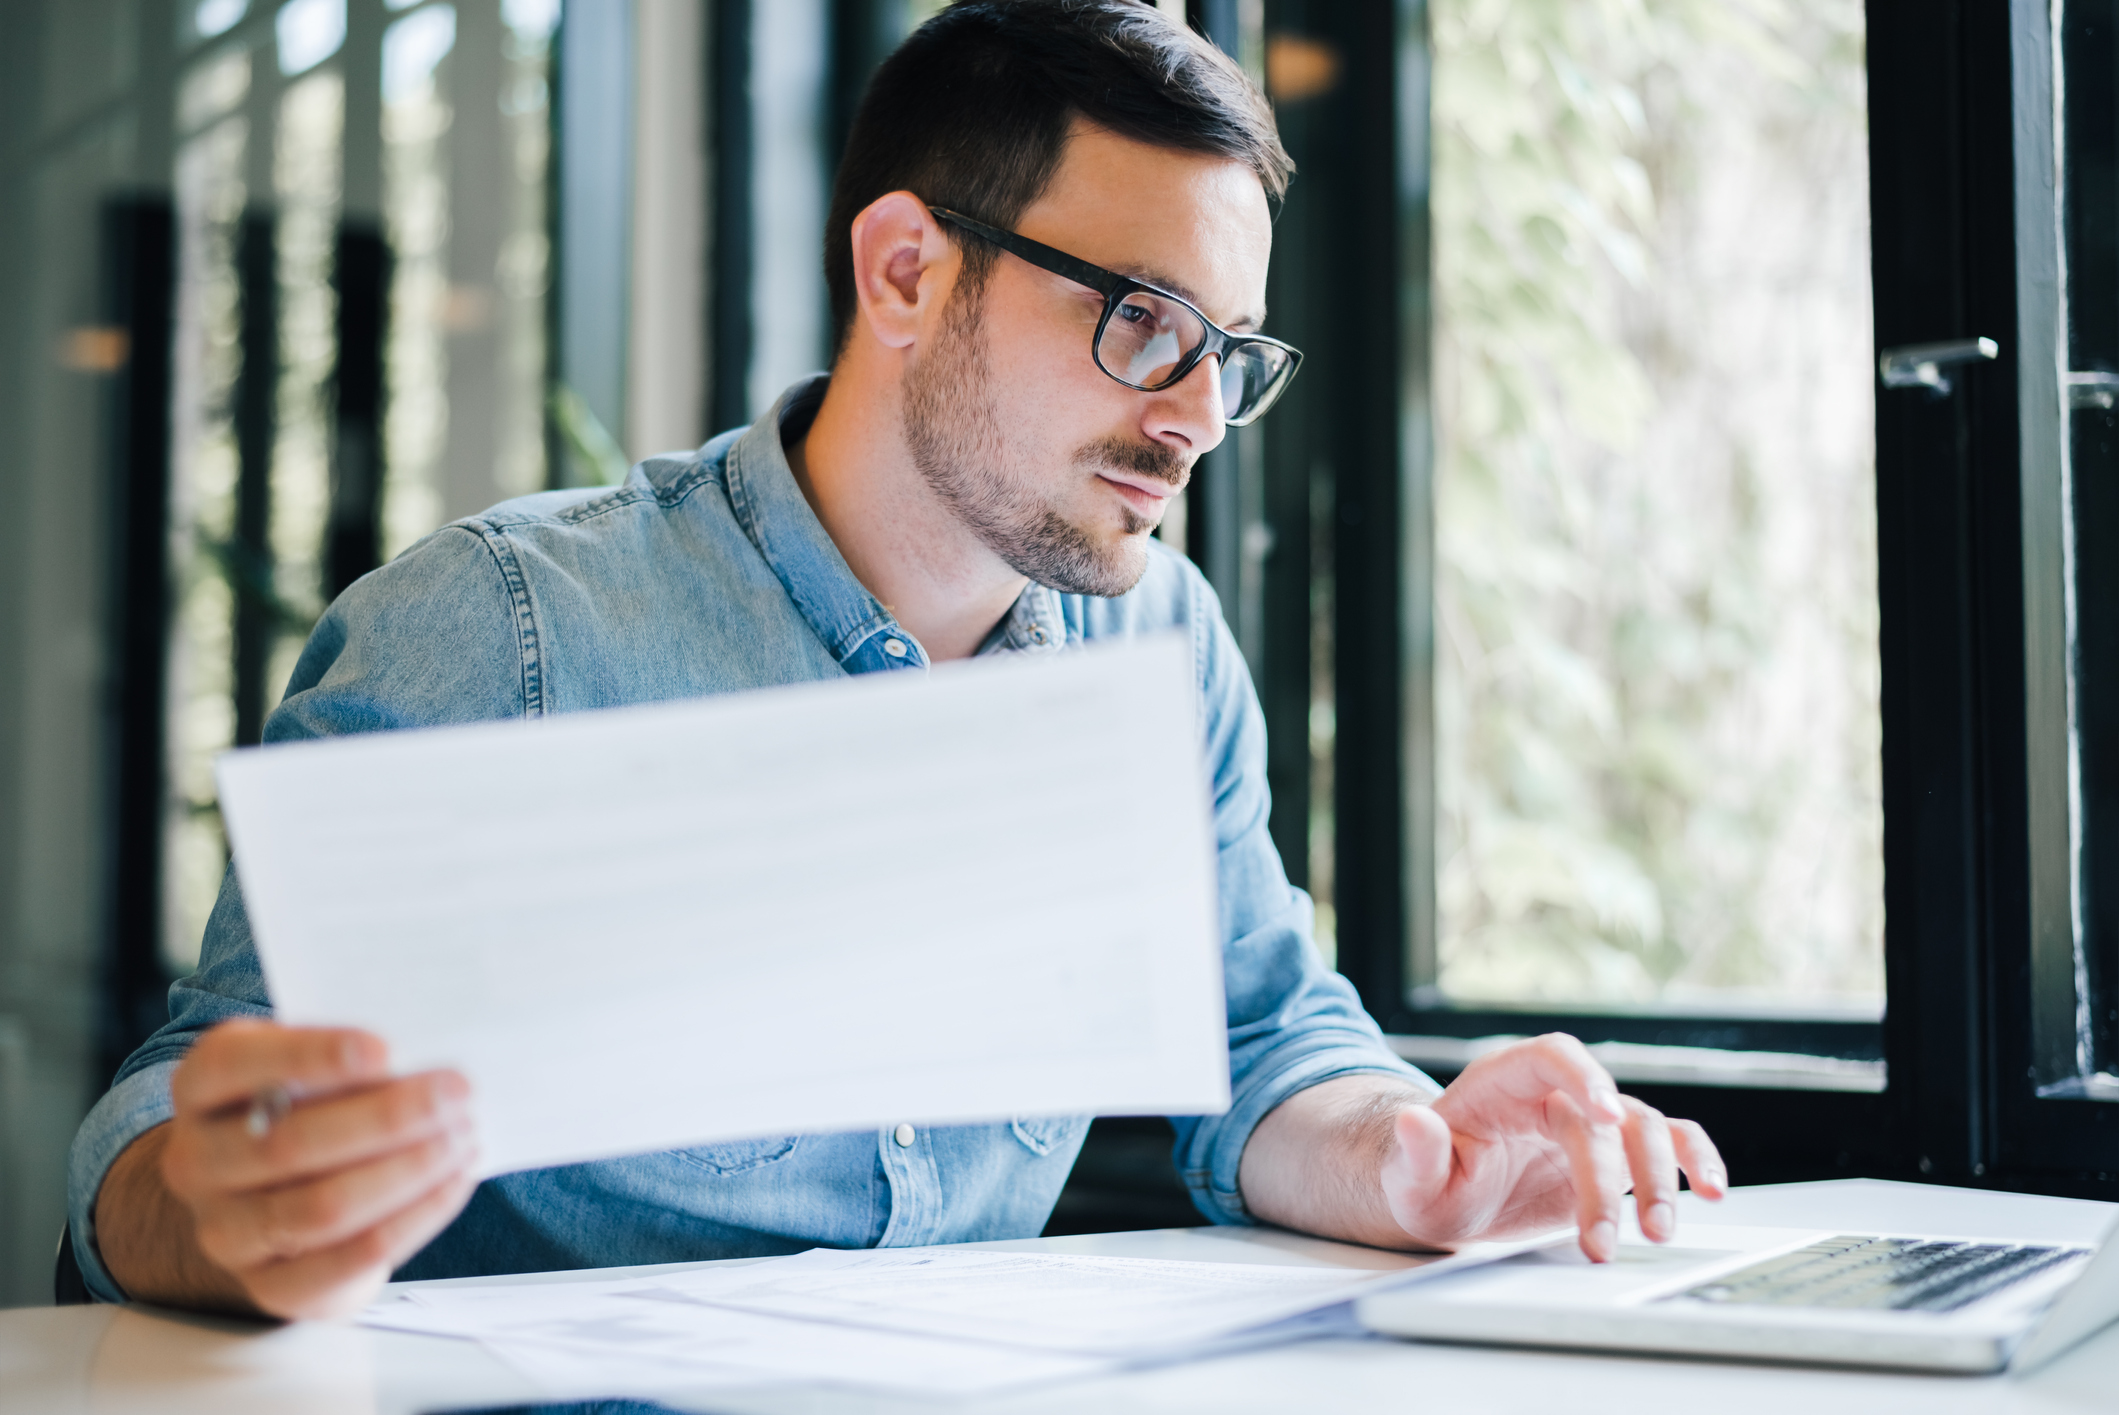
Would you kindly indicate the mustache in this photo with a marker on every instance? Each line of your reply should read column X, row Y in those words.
column 1148, row 459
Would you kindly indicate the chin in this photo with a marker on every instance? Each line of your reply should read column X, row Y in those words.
column 1121, row 566
column 1105, row 571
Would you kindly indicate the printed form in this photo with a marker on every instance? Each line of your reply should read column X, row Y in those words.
column 947, row 897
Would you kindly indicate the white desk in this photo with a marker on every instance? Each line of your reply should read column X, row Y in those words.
column 112, row 1360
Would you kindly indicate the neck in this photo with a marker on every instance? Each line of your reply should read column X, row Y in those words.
column 902, row 543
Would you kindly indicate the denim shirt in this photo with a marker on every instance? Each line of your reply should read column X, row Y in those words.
column 708, row 573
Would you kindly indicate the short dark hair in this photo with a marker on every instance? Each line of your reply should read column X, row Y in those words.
column 972, row 113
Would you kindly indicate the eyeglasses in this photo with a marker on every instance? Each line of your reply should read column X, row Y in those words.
column 1150, row 339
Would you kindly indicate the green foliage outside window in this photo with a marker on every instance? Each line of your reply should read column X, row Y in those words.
column 1656, row 620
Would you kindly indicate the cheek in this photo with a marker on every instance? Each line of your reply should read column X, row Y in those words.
column 1044, row 413
column 1039, row 358
column 1049, row 409
column 1045, row 395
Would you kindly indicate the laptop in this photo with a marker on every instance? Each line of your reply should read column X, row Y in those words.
column 1847, row 1298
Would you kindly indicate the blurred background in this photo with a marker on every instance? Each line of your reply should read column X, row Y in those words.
column 1556, row 570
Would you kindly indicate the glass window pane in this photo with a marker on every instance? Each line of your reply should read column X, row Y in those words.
column 452, row 136
column 1656, row 676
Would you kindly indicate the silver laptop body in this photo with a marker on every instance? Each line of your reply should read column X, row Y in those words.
column 1907, row 1301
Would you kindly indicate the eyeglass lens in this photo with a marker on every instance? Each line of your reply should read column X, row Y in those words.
column 1252, row 376
column 1148, row 336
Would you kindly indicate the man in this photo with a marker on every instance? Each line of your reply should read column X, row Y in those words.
column 1047, row 249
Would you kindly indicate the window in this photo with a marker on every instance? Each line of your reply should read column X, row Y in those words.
column 1592, row 662
column 1658, row 783
column 359, row 351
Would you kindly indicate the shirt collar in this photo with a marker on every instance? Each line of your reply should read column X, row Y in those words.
column 769, row 504
column 1034, row 624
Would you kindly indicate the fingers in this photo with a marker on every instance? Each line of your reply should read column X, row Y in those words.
column 1555, row 1062
column 310, row 1213
column 1595, row 1164
column 339, row 1280
column 236, row 1060
column 252, row 1230
column 219, row 1151
column 1700, row 1160
column 1652, row 1159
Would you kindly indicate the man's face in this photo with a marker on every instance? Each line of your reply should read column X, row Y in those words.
column 1061, row 470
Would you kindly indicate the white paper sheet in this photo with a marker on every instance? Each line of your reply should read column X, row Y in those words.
column 1122, row 1308
column 602, row 1340
column 945, row 1320
column 968, row 895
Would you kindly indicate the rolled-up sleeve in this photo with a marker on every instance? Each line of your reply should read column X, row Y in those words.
column 1292, row 1021
column 227, row 984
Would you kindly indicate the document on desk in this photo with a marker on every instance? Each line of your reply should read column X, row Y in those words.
column 913, row 1320
column 945, row 1318
column 948, row 897
column 587, row 1341
column 1054, row 1302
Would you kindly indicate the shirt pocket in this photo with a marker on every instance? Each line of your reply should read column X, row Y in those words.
column 1042, row 1134
column 740, row 1156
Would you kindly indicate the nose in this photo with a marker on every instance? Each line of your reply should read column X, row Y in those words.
column 1188, row 415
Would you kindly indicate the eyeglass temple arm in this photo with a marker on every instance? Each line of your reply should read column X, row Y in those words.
column 1102, row 281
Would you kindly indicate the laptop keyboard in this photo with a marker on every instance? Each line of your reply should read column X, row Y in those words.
column 1892, row 1274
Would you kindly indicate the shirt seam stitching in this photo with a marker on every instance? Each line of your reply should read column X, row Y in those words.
column 617, row 498
column 528, row 641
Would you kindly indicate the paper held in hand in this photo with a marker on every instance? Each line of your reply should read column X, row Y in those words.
column 968, row 895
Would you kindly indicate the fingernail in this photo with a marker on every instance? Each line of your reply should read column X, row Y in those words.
column 1603, row 1240
column 1608, row 1102
column 1660, row 1221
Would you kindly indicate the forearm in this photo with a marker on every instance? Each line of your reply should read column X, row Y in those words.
column 148, row 1240
column 1315, row 1162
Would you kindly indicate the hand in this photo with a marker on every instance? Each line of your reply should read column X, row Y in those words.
column 1531, row 1135
column 310, row 1210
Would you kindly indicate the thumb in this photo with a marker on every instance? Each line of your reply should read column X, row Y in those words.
column 1417, row 1169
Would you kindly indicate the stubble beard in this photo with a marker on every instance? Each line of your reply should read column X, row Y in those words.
column 955, row 440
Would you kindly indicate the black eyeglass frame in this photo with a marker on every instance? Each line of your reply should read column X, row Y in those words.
column 1114, row 288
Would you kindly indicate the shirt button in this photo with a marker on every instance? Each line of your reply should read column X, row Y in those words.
column 896, row 649
column 904, row 1133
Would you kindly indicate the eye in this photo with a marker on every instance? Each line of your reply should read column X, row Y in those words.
column 1135, row 314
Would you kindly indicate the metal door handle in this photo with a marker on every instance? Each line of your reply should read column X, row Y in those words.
column 2092, row 389
column 1922, row 365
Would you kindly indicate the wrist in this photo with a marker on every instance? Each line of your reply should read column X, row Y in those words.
column 1316, row 1162
column 147, row 1236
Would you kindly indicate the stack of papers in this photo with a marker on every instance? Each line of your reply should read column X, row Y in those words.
column 943, row 1321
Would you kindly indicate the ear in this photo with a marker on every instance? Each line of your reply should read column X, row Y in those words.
column 904, row 265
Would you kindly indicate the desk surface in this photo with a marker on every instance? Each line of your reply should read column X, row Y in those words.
column 112, row 1360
